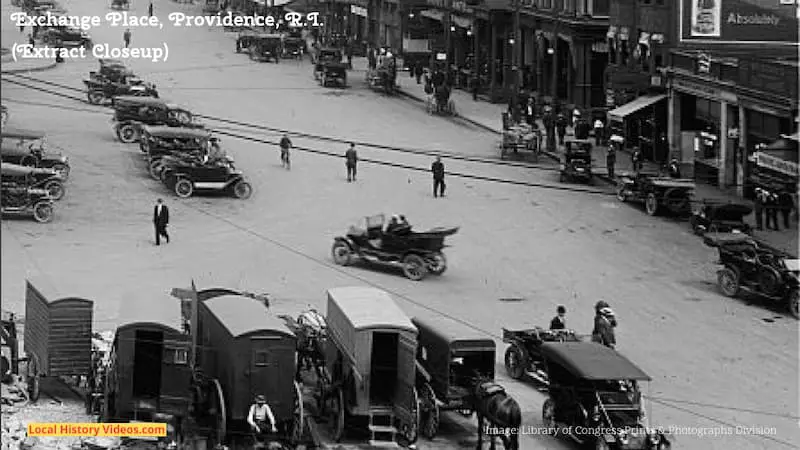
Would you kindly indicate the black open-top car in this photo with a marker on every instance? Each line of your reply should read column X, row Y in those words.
column 130, row 113
column 577, row 161
column 720, row 218
column 185, row 177
column 27, row 148
column 65, row 36
column 34, row 177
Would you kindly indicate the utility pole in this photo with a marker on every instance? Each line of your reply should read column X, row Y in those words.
column 448, row 23
column 516, row 60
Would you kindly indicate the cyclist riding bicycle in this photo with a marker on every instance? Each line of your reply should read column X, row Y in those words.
column 261, row 420
column 286, row 144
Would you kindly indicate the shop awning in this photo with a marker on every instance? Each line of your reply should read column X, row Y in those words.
column 459, row 21
column 433, row 14
column 783, row 144
column 627, row 109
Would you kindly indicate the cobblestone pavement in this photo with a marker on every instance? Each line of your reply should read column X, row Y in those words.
column 521, row 250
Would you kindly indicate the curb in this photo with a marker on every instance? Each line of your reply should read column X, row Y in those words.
column 464, row 118
column 32, row 69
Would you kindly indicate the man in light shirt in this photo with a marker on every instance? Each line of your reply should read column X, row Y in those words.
column 260, row 418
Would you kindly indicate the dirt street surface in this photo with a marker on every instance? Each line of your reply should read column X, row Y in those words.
column 716, row 363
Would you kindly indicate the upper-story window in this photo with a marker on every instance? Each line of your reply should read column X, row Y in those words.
column 600, row 8
column 545, row 4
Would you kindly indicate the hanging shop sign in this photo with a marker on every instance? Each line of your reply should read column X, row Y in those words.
column 738, row 22
column 700, row 90
column 358, row 10
column 779, row 165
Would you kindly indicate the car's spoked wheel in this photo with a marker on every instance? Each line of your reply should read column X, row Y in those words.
column 414, row 267
column 242, row 190
column 298, row 416
column 184, row 188
column 62, row 170
column 127, row 133
column 341, row 253
column 794, row 303
column 337, row 414
column 651, row 204
column 43, row 212
column 439, row 264
column 514, row 364
column 728, row 281
column 155, row 170
column 55, row 189
column 95, row 97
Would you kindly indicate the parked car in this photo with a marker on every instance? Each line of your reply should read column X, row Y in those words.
column 720, row 218
column 27, row 148
column 657, row 193
column 131, row 113
column 22, row 200
column 577, row 161
column 752, row 267
column 265, row 47
column 34, row 177
column 66, row 36
column 185, row 178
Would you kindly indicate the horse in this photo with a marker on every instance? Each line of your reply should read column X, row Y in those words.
column 501, row 412
column 312, row 339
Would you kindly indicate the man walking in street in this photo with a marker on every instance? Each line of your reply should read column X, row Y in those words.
column 161, row 220
column 611, row 160
column 127, row 37
column 561, row 128
column 285, row 145
column 438, row 177
column 150, row 9
column 598, row 132
column 351, row 160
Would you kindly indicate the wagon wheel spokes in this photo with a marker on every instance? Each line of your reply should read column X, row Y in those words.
column 221, row 415
column 337, row 414
column 298, row 418
column 430, row 425
column 323, row 390
column 32, row 378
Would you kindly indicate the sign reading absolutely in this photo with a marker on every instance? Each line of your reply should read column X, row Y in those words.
column 738, row 22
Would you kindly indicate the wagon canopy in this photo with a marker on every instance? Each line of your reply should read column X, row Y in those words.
column 243, row 315
column 451, row 335
column 369, row 308
column 18, row 133
column 151, row 311
column 176, row 132
column 591, row 361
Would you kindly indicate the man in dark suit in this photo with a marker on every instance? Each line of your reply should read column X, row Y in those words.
column 559, row 322
column 161, row 220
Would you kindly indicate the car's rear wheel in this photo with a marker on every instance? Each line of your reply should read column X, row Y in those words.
column 95, row 97
column 43, row 212
column 184, row 188
column 728, row 281
column 127, row 133
column 651, row 204
column 55, row 189
column 341, row 253
column 794, row 303
column 155, row 169
column 242, row 190
column 414, row 267
column 439, row 264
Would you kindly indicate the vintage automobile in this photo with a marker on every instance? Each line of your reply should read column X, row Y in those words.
column 22, row 200
column 594, row 397
column 111, row 70
column 148, row 377
column 28, row 148
column 451, row 358
column 159, row 142
column 720, row 218
column 99, row 89
column 369, row 368
column 293, row 47
column 325, row 56
column 416, row 253
column 523, row 355
column 246, row 351
column 185, row 178
column 65, row 36
column 750, row 266
column 519, row 138
column 658, row 193
column 131, row 113
column 265, row 47
column 15, row 175
column 384, row 78
column 577, row 162
column 120, row 4
column 333, row 73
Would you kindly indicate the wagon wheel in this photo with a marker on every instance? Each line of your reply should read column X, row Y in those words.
column 298, row 420
column 430, row 424
column 219, row 411
column 32, row 377
column 728, row 281
column 515, row 362
column 410, row 431
column 335, row 407
column 323, row 386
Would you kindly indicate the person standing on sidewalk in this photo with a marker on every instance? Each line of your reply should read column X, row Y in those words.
column 785, row 204
column 772, row 212
column 758, row 207
column 611, row 160
column 418, row 71
column 31, row 41
column 636, row 160
column 561, row 128
column 126, row 36
column 599, row 130
column 351, row 160
column 438, row 177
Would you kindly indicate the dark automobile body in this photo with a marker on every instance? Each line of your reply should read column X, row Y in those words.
column 120, row 4
column 131, row 113
column 658, row 193
column 159, row 142
column 99, row 89
column 293, row 47
column 750, row 266
column 33, row 177
column 325, row 56
column 416, row 253
column 333, row 73
column 594, row 397
column 577, row 161
column 65, row 36
column 26, row 148
column 112, row 70
column 265, row 47
column 23, row 200
column 720, row 218
column 185, row 177
column 450, row 358
column 523, row 355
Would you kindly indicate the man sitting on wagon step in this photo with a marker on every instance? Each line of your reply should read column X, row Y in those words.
column 259, row 414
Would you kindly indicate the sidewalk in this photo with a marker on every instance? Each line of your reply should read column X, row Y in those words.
column 489, row 116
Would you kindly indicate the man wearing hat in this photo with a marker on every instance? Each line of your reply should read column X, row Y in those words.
column 604, row 323
column 559, row 322
column 259, row 414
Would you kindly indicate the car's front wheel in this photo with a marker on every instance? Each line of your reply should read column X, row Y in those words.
column 43, row 212
column 184, row 188
column 55, row 189
column 127, row 133
column 242, row 190
column 341, row 253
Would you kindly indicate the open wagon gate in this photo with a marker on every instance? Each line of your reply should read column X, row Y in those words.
column 57, row 336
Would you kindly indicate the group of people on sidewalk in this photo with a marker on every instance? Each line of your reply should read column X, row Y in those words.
column 770, row 203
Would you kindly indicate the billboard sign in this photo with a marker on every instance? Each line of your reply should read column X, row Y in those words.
column 755, row 22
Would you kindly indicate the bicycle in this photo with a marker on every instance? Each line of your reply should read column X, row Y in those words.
column 285, row 161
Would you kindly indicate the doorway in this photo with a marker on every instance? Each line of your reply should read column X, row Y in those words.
column 383, row 376
column 147, row 354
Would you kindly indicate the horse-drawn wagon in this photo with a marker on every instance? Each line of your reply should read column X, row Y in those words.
column 451, row 359
column 370, row 370
column 518, row 137
column 246, row 352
